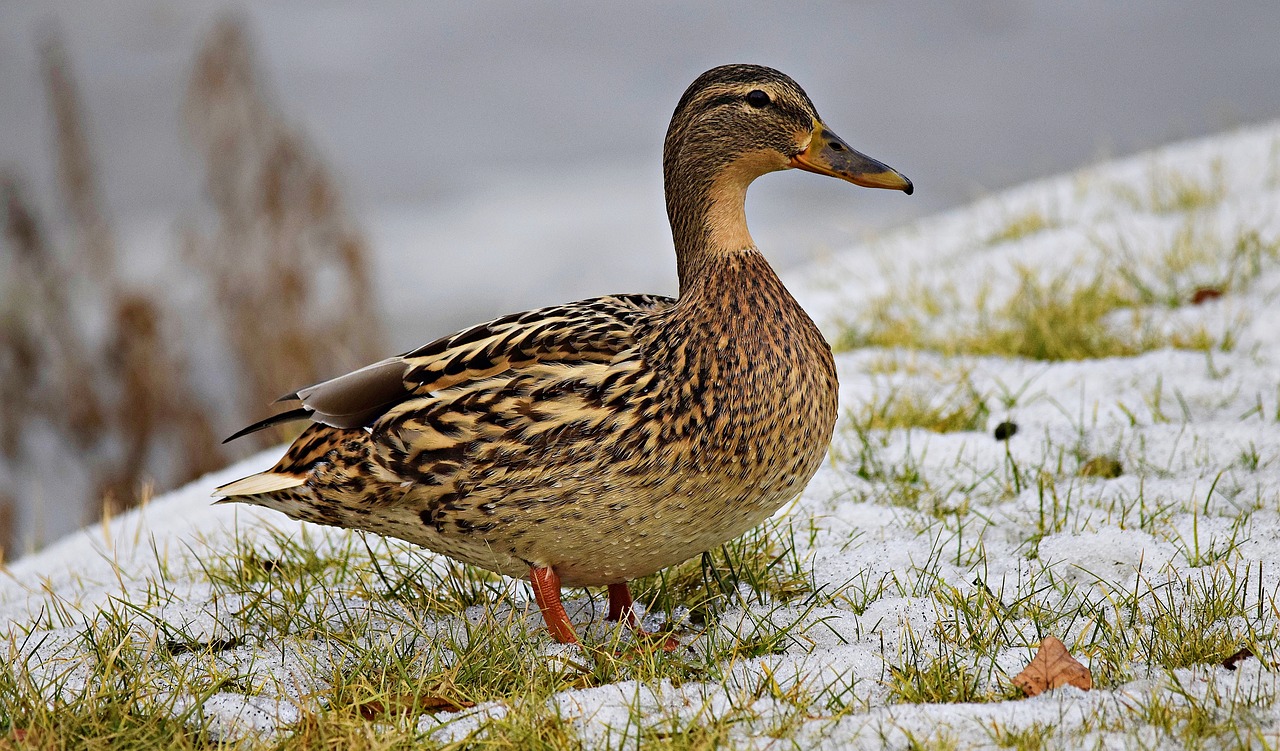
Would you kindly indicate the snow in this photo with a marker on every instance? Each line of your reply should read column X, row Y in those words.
column 1196, row 507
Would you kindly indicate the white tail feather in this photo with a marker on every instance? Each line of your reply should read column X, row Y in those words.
column 263, row 482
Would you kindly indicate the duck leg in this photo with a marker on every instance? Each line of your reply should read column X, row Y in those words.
column 621, row 605
column 622, row 608
column 546, row 592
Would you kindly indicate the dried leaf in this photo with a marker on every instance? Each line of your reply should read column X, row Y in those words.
column 412, row 703
column 1205, row 294
column 17, row 738
column 1053, row 666
column 1231, row 662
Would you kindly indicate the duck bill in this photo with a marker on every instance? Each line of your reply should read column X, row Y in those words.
column 828, row 155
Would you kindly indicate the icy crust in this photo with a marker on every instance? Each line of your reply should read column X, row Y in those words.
column 910, row 526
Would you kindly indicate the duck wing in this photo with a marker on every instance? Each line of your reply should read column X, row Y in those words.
column 591, row 330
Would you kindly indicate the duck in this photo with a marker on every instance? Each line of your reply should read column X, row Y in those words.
column 591, row 443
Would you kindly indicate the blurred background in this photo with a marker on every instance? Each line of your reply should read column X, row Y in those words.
column 206, row 205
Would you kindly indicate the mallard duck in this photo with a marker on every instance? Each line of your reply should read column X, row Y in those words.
column 595, row 442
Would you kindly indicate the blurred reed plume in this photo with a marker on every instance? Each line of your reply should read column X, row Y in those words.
column 289, row 272
column 99, row 403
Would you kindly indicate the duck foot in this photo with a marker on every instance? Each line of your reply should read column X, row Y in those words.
column 546, row 592
column 622, row 608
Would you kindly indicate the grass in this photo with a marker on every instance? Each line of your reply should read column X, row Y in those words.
column 1033, row 738
column 1067, row 315
column 386, row 634
column 1053, row 319
column 1105, row 467
column 1172, row 191
column 760, row 567
column 1188, row 614
column 1020, row 225
column 374, row 646
column 1195, row 258
column 960, row 409
column 937, row 680
column 1152, row 629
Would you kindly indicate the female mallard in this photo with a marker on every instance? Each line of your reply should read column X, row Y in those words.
column 591, row 443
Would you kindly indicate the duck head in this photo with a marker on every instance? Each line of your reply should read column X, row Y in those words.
column 734, row 124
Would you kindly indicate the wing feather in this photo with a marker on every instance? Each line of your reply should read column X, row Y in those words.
column 592, row 330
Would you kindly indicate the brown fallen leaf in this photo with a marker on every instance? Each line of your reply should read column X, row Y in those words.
column 1205, row 294
column 1053, row 666
column 1231, row 662
column 411, row 703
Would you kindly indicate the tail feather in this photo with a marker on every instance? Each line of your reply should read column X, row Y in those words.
column 293, row 469
column 301, row 413
column 263, row 482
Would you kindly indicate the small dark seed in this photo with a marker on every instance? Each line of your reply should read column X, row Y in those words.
column 1005, row 431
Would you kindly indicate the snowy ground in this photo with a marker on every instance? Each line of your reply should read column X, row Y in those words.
column 1135, row 514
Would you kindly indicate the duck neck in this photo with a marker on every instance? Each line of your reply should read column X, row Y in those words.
column 707, row 211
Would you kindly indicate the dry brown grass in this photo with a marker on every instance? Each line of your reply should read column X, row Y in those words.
column 102, row 362
column 282, row 227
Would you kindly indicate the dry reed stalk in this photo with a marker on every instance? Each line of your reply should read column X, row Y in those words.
column 20, row 349
column 121, row 402
column 42, row 354
column 8, row 527
column 77, row 172
column 289, row 272
column 156, row 413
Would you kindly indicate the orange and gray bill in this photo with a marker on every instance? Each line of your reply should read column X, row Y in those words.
column 827, row 154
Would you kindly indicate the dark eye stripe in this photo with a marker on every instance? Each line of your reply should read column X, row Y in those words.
column 722, row 100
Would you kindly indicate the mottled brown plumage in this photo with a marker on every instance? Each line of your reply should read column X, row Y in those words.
column 598, row 441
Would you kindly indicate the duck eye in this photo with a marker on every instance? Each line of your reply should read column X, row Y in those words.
column 758, row 99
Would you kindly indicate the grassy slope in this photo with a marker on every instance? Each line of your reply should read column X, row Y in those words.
column 1135, row 514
